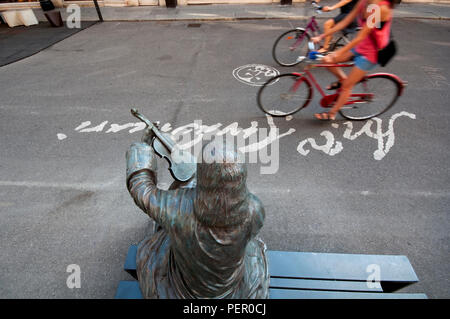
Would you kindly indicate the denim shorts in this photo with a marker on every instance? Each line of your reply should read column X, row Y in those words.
column 361, row 61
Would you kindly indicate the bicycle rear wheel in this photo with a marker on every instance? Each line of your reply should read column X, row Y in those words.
column 339, row 43
column 284, row 94
column 379, row 94
column 345, row 38
column 291, row 47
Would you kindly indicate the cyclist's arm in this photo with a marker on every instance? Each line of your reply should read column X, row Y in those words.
column 345, row 22
column 339, row 4
column 362, row 34
column 385, row 14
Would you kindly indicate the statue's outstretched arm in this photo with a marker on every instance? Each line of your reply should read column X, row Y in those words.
column 141, row 182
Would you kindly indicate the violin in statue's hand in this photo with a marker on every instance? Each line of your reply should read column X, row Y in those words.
column 182, row 164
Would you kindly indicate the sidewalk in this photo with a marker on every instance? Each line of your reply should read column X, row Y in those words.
column 229, row 12
column 21, row 42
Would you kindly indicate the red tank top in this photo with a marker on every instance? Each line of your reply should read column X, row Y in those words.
column 377, row 39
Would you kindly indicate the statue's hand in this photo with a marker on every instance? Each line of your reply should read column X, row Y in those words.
column 148, row 136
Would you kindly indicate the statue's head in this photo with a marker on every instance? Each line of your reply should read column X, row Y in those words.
column 221, row 186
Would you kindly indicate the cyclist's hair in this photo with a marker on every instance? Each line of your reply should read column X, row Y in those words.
column 394, row 3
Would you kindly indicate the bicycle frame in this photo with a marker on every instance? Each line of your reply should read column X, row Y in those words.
column 312, row 25
column 327, row 99
column 365, row 92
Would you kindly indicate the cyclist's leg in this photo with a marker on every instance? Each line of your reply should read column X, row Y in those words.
column 338, row 72
column 326, row 42
column 362, row 66
column 355, row 75
column 332, row 23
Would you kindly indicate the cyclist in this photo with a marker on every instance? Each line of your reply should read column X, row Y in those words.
column 346, row 7
column 362, row 48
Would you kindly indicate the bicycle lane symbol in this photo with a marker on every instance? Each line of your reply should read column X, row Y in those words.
column 255, row 74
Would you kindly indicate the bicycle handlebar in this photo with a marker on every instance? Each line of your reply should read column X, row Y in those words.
column 314, row 55
column 317, row 7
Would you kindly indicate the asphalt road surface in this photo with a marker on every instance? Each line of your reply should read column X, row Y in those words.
column 382, row 189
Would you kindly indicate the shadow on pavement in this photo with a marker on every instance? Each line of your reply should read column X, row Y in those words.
column 21, row 42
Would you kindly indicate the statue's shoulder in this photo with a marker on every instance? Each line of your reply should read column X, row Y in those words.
column 254, row 200
column 186, row 196
column 180, row 205
column 255, row 205
column 256, row 212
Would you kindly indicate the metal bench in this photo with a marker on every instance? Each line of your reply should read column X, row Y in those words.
column 300, row 275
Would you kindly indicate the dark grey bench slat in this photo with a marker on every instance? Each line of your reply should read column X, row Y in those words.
column 331, row 285
column 314, row 294
column 395, row 271
column 128, row 290
column 131, row 290
column 324, row 266
column 339, row 266
column 130, row 261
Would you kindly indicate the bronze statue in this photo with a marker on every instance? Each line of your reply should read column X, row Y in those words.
column 205, row 245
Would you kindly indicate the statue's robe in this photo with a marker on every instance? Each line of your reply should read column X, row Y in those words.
column 187, row 259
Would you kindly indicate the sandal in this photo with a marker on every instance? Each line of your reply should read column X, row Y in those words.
column 323, row 51
column 334, row 86
column 325, row 116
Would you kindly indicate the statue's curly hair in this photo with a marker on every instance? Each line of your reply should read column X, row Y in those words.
column 221, row 199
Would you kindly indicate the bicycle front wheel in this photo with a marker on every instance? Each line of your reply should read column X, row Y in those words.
column 284, row 94
column 291, row 47
column 373, row 95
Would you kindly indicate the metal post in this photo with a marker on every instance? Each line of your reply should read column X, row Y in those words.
column 100, row 18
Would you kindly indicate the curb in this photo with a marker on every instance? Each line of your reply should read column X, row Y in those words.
column 212, row 19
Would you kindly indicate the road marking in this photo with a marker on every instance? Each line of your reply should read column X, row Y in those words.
column 6, row 204
column 340, row 192
column 80, row 186
column 385, row 140
column 255, row 74
column 372, row 128
column 435, row 75
column 383, row 147
column 331, row 147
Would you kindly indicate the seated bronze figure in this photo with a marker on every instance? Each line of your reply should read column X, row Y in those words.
column 206, row 244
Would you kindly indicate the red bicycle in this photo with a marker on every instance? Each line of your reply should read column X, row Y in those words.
column 286, row 94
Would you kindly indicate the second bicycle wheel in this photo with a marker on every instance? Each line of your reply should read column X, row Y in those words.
column 378, row 93
column 284, row 94
column 339, row 43
column 291, row 47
